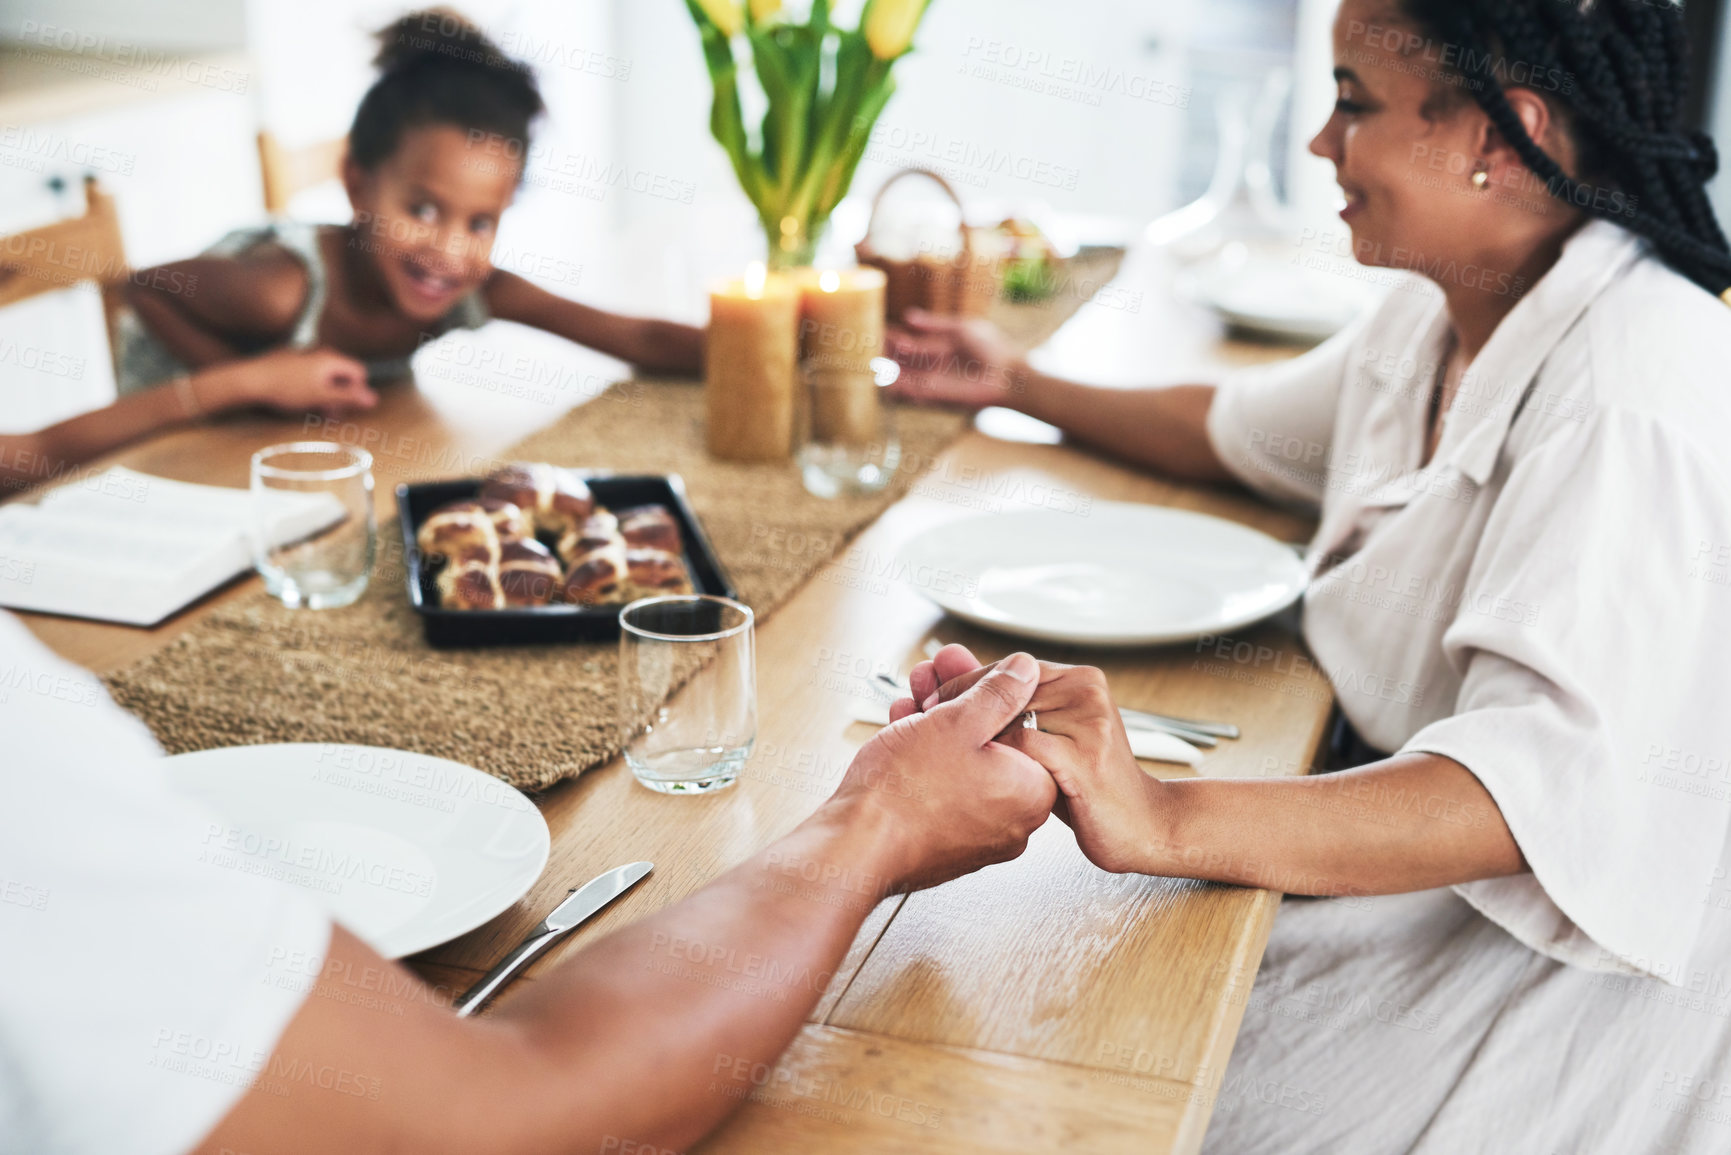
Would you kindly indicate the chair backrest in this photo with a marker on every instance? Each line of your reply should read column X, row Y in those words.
column 55, row 256
column 288, row 171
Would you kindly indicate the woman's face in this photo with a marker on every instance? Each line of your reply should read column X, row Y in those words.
column 1404, row 157
column 426, row 215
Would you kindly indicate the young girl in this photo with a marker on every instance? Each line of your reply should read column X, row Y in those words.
column 300, row 317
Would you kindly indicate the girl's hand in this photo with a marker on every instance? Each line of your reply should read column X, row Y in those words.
column 1114, row 807
column 291, row 380
column 954, row 360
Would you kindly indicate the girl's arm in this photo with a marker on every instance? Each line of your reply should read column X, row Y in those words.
column 1410, row 822
column 212, row 309
column 286, row 380
column 653, row 345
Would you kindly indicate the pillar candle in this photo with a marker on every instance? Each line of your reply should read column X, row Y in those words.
column 751, row 367
column 841, row 330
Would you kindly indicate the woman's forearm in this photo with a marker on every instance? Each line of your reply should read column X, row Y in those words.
column 1411, row 822
column 1160, row 428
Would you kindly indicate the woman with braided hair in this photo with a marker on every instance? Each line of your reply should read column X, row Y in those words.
column 1521, row 593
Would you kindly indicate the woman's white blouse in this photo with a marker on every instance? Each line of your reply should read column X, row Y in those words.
column 1548, row 602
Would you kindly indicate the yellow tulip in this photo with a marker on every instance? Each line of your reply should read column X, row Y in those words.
column 889, row 26
column 762, row 11
column 726, row 15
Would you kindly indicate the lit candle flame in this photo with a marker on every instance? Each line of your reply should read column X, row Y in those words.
column 756, row 275
column 830, row 281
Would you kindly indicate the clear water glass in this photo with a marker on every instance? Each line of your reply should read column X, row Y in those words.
column 848, row 444
column 315, row 533
column 687, row 691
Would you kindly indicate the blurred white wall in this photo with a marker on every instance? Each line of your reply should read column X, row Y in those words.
column 182, row 24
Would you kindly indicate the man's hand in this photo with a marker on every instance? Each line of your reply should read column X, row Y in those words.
column 1114, row 807
column 949, row 795
column 955, row 361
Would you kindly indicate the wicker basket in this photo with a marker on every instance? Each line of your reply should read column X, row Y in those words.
column 963, row 285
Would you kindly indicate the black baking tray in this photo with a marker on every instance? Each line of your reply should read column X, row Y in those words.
column 534, row 624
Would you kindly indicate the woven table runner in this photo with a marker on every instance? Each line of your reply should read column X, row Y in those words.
column 251, row 671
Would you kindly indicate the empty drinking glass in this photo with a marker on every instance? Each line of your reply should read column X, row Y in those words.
column 314, row 530
column 687, row 691
column 847, row 443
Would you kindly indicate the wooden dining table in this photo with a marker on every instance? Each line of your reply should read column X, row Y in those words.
column 1037, row 1005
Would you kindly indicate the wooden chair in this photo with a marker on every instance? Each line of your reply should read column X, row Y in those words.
column 288, row 171
column 86, row 248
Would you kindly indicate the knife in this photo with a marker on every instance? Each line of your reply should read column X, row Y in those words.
column 566, row 917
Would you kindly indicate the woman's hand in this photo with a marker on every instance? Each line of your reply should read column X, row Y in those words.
column 955, row 360
column 1114, row 807
column 950, row 797
column 291, row 380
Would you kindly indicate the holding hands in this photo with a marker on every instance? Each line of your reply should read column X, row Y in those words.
column 1115, row 809
column 947, row 793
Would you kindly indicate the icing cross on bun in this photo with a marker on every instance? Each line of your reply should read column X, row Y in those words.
column 650, row 572
column 555, row 499
column 470, row 585
column 597, row 531
column 463, row 528
column 597, row 578
column 650, row 527
column 529, row 574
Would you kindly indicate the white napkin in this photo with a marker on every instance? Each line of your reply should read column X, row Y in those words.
column 1150, row 745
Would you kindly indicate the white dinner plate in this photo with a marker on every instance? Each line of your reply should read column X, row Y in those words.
column 1278, row 298
column 406, row 850
column 1119, row 575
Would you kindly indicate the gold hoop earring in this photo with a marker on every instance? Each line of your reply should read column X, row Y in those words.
column 1481, row 176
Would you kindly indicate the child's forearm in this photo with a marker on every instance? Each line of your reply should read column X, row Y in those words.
column 669, row 347
column 657, row 346
column 28, row 459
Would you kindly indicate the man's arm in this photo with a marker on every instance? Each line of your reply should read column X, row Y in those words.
column 655, row 345
column 640, row 1037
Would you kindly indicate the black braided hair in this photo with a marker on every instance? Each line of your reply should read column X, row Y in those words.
column 1620, row 69
column 437, row 68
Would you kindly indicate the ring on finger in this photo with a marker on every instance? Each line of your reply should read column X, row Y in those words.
column 1030, row 721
